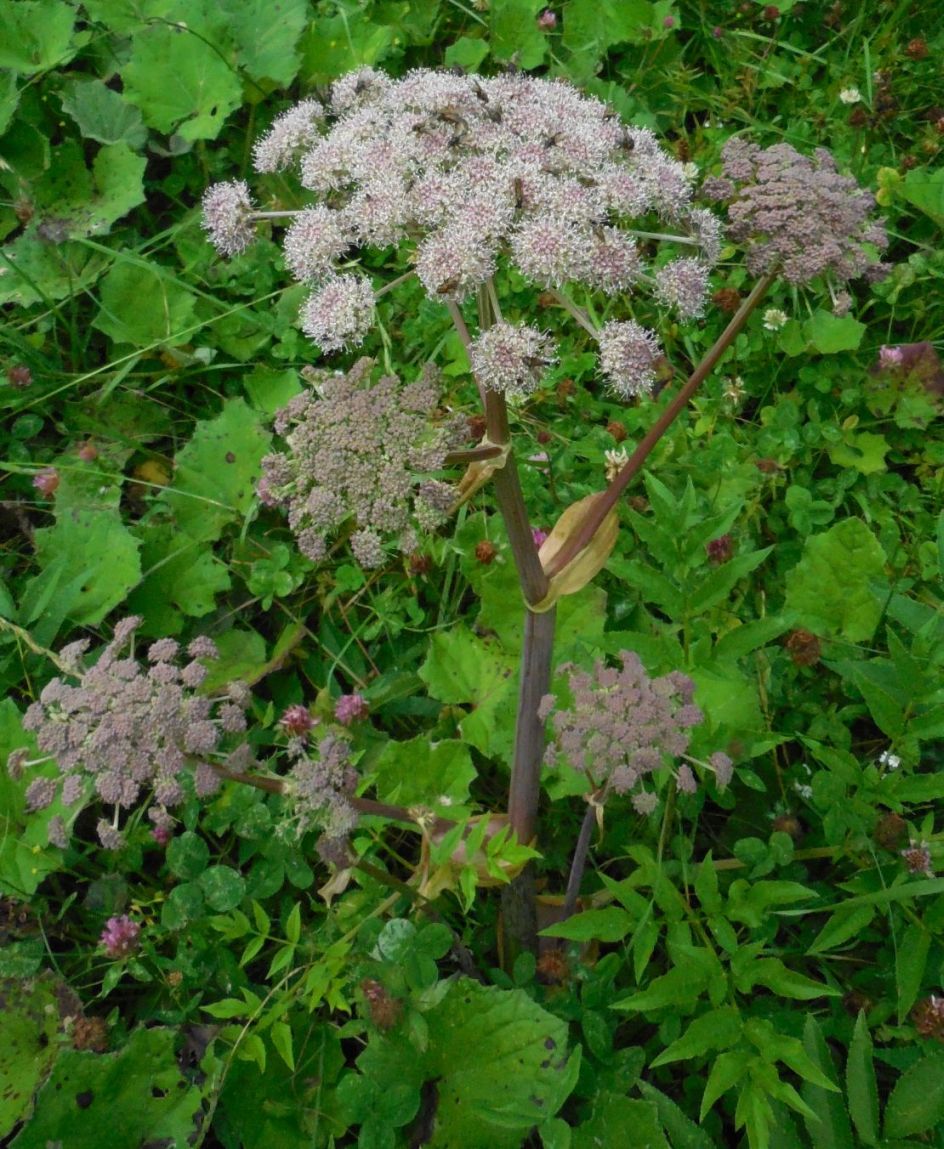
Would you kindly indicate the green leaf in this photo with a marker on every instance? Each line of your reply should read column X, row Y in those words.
column 613, row 1116
column 223, row 887
column 102, row 114
column 182, row 578
column 830, row 1129
column 266, row 33
column 862, row 450
column 718, row 1029
column 830, row 333
column 37, row 35
column 515, row 34
column 334, row 45
column 31, row 1018
column 924, row 189
column 466, row 53
column 843, row 925
column 499, row 1062
column 829, row 589
column 772, row 973
column 911, row 959
column 91, row 559
column 683, row 1132
column 860, row 1083
column 462, row 668
column 216, row 473
column 180, row 82
column 187, row 855
column 719, row 582
column 112, row 1100
column 592, row 27
column 143, row 306
column 916, row 1103
column 726, row 1071
column 281, row 1034
column 609, row 924
column 423, row 773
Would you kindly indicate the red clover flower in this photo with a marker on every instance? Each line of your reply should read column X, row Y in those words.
column 120, row 937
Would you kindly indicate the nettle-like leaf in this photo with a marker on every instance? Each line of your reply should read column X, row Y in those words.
column 497, row 1061
column 142, row 305
column 29, row 1016
column 423, row 773
column 37, row 35
column 916, row 1104
column 829, row 589
column 182, row 578
column 135, row 1096
column 266, row 34
column 103, row 114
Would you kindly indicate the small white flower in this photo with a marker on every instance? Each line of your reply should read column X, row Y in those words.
column 805, row 792
column 889, row 760
column 774, row 318
column 850, row 96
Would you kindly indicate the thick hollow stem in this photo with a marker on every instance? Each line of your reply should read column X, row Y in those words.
column 603, row 505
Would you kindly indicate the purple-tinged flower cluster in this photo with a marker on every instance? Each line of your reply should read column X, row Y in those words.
column 622, row 725
column 228, row 217
column 511, row 358
column 628, row 356
column 319, row 787
column 353, row 452
column 797, row 214
column 129, row 729
column 120, row 937
column 472, row 174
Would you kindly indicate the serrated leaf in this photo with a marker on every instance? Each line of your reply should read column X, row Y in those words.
column 515, row 34
column 609, row 924
column 828, row 333
column 216, row 473
column 829, row 589
column 37, row 35
column 266, row 33
column 830, row 1129
column 718, row 583
column 613, row 1116
column 843, row 925
column 861, row 1085
column 911, row 959
column 916, row 1103
column 718, row 1029
column 422, row 773
column 682, row 1131
column 182, row 578
column 180, row 82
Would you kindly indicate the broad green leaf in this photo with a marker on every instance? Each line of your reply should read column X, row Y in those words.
column 423, row 773
column 103, row 114
column 499, row 1062
column 924, row 189
column 828, row 333
column 143, row 306
column 911, row 958
column 860, row 1083
column 830, row 1129
column 216, row 473
column 916, row 1103
column 187, row 855
column 333, row 45
column 466, row 53
column 30, row 1013
column 93, row 557
column 609, row 924
column 718, row 1029
column 182, row 578
column 37, row 35
column 112, row 1100
column 829, row 591
column 180, row 82
column 862, row 450
column 515, row 34
column 462, row 668
column 613, row 1116
column 266, row 34
column 37, row 271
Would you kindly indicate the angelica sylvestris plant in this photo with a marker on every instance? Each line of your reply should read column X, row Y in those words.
column 478, row 180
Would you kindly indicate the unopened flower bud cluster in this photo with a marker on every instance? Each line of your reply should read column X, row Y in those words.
column 475, row 174
column 319, row 787
column 131, row 729
column 797, row 215
column 353, row 452
column 622, row 725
